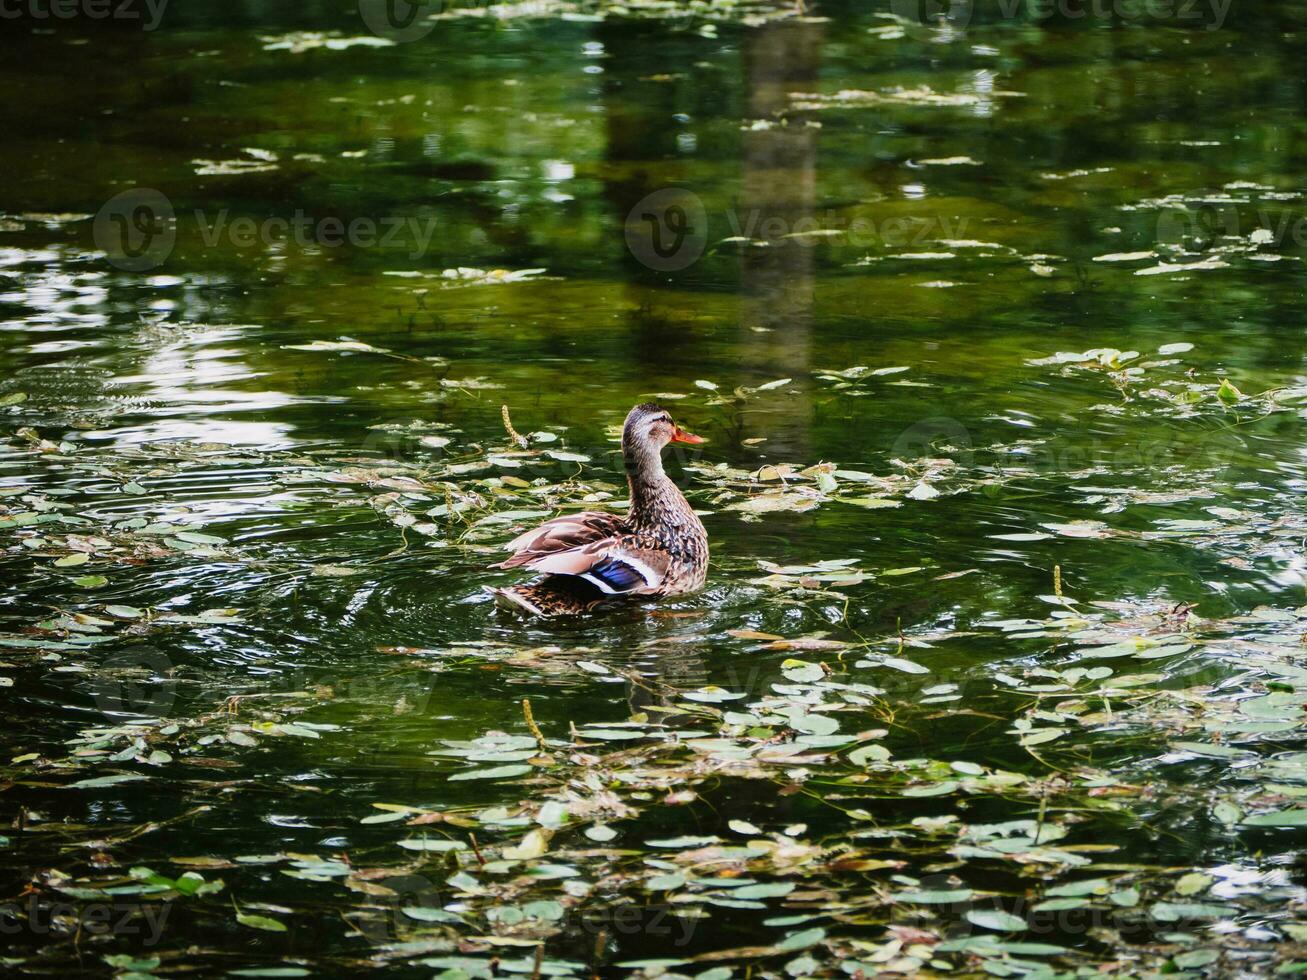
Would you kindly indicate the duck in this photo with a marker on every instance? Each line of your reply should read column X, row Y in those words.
column 658, row 548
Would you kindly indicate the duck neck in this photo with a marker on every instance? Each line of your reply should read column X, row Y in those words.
column 655, row 499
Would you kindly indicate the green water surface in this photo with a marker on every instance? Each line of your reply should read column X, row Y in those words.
column 267, row 278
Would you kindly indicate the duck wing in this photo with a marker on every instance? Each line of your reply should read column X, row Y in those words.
column 561, row 534
column 592, row 546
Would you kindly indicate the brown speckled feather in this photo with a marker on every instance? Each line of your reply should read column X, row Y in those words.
column 553, row 595
column 561, row 534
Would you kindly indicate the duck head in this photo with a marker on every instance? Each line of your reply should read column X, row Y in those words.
column 650, row 426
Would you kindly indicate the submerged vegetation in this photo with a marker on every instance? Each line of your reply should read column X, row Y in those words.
column 1000, row 666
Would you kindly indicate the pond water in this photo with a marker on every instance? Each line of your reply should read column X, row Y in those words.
column 992, row 321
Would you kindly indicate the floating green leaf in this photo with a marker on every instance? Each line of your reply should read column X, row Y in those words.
column 262, row 922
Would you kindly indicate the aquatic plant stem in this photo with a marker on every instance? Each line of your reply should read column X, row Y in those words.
column 531, row 725
column 514, row 436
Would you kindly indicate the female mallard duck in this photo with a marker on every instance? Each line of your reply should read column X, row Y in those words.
column 659, row 548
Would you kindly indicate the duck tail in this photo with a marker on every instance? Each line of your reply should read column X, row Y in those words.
column 555, row 595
